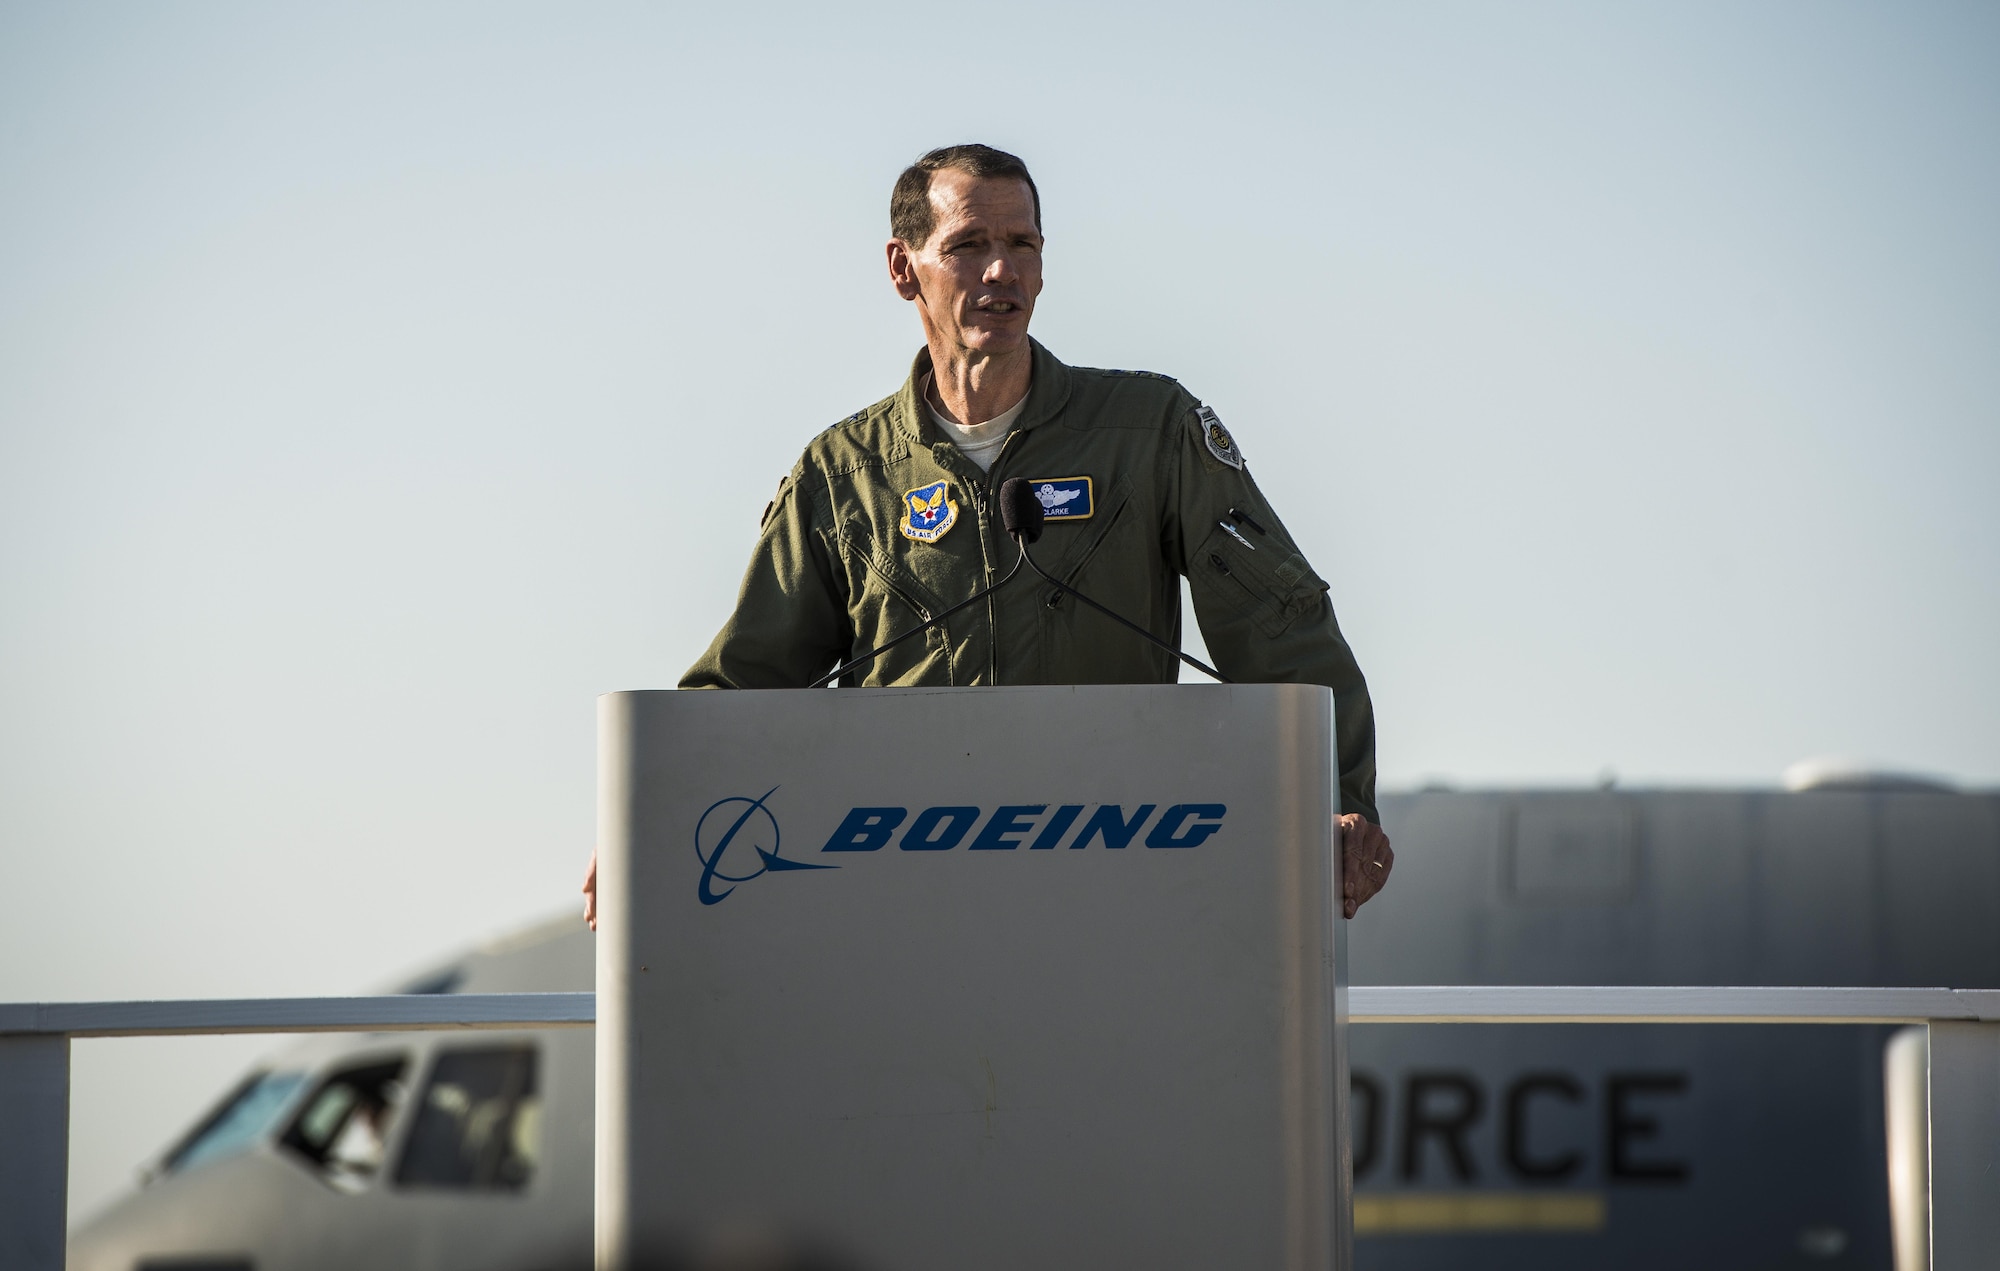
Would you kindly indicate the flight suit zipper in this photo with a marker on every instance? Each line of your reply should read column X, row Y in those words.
column 991, row 489
column 973, row 482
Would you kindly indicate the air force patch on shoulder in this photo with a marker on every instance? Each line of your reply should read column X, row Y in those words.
column 1220, row 443
column 1064, row 498
column 928, row 511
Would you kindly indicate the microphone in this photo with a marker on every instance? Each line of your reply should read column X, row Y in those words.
column 1021, row 515
column 1021, row 512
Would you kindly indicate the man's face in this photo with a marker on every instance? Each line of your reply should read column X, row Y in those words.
column 976, row 278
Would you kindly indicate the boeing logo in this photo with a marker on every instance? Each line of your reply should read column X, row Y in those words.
column 940, row 829
column 752, row 822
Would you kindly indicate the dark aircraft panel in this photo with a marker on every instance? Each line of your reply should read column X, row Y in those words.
column 1817, row 912
column 1668, row 1146
column 1827, row 888
column 1653, row 1146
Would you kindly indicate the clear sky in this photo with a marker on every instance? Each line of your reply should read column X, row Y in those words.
column 379, row 384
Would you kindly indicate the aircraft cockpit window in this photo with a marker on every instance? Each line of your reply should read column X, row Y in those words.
column 343, row 1129
column 479, row 1122
column 238, row 1122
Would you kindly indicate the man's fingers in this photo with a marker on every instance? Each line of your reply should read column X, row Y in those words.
column 1366, row 861
column 1350, row 865
column 1383, row 860
column 1376, row 861
column 1386, row 858
column 590, row 891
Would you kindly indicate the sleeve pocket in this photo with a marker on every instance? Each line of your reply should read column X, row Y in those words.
column 1270, row 588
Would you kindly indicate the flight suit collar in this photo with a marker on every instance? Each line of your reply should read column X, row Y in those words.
column 1048, row 392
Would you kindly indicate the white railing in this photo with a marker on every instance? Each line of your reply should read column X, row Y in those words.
column 300, row 1015
column 1964, row 1069
column 1534, row 1004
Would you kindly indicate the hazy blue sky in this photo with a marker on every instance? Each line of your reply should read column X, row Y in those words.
column 378, row 385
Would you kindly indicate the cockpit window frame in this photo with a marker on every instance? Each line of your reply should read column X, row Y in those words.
column 531, row 1091
column 175, row 1159
column 406, row 1060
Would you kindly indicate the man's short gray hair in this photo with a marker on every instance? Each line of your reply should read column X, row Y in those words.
column 910, row 216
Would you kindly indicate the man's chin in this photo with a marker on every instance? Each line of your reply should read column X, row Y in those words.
column 996, row 337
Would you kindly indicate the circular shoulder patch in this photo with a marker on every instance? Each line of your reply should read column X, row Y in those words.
column 1220, row 443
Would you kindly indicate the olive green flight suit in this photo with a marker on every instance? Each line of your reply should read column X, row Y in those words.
column 842, row 563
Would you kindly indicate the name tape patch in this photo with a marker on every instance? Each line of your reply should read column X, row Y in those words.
column 1065, row 498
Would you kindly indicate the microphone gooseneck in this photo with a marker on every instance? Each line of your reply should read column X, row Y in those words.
column 1021, row 514
column 925, row 625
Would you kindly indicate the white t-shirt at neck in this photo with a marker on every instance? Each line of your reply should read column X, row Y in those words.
column 978, row 442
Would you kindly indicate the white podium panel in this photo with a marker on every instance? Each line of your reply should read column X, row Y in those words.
column 972, row 978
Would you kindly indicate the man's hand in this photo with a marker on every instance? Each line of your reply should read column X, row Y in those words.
column 1366, row 859
column 590, row 892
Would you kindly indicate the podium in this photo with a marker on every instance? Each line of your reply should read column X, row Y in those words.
column 1045, row 977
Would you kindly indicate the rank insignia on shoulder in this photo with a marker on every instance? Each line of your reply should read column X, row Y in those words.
column 928, row 511
column 1220, row 443
column 1064, row 498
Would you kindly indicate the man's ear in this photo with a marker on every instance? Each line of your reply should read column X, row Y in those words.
column 903, row 270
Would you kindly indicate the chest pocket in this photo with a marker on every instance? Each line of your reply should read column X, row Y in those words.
column 1271, row 588
column 885, row 600
column 1088, row 537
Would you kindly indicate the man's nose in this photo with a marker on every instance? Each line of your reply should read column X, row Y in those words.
column 1000, row 271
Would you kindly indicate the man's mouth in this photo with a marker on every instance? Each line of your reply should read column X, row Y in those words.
column 993, row 304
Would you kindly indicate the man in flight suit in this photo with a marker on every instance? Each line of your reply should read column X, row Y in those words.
column 892, row 514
